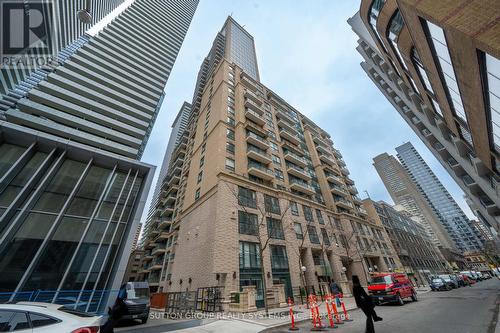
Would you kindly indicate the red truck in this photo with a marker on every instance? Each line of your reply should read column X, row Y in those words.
column 391, row 287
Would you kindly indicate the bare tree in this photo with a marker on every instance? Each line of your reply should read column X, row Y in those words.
column 262, row 233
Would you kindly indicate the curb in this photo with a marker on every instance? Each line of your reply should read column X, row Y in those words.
column 296, row 322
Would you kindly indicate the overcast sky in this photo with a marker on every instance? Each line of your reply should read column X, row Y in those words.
column 307, row 54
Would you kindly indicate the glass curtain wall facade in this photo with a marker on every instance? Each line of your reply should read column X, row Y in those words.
column 63, row 220
column 451, row 215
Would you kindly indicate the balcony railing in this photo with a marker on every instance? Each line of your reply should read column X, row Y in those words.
column 338, row 189
column 294, row 138
column 257, row 140
column 259, row 154
column 297, row 171
column 259, row 170
column 255, row 117
column 252, row 105
column 344, row 202
column 295, row 158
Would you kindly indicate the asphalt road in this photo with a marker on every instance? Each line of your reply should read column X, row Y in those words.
column 464, row 310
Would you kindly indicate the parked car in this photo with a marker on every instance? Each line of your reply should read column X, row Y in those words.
column 468, row 280
column 487, row 276
column 479, row 275
column 46, row 318
column 460, row 280
column 134, row 296
column 439, row 284
column 391, row 287
column 449, row 280
column 470, row 274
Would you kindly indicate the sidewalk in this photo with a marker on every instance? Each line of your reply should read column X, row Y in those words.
column 257, row 321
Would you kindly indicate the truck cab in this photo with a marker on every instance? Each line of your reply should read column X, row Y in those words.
column 391, row 287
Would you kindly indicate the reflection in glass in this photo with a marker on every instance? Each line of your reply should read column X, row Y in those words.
column 18, row 253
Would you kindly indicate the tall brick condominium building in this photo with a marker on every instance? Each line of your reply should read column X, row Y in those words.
column 250, row 164
column 438, row 63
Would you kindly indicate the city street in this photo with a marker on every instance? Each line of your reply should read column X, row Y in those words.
column 467, row 310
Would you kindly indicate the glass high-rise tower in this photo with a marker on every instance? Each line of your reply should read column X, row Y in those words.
column 451, row 216
column 72, row 188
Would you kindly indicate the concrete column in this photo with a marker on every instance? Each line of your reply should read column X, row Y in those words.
column 358, row 269
column 307, row 261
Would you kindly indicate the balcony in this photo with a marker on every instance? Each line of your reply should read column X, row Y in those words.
column 344, row 203
column 287, row 126
column 319, row 141
column 259, row 155
column 174, row 180
column 352, row 189
column 163, row 235
column 327, row 159
column 156, row 266
column 357, row 199
column 334, row 179
column 339, row 190
column 488, row 204
column 164, row 223
column 469, row 181
column 453, row 163
column 337, row 153
column 293, row 138
column 255, row 117
column 362, row 211
column 260, row 171
column 147, row 256
column 341, row 162
column 290, row 146
column 248, row 81
column 171, row 190
column 167, row 211
column 302, row 186
column 170, row 199
column 258, row 141
column 322, row 149
column 296, row 159
column 253, row 106
column 297, row 172
column 159, row 249
column 348, row 180
column 250, row 95
column 282, row 114
column 344, row 171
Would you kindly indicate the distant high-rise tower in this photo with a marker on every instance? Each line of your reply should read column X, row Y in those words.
column 178, row 128
column 451, row 216
column 405, row 192
column 72, row 188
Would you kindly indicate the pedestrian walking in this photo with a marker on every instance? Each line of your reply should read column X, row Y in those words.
column 116, row 312
column 335, row 289
column 364, row 302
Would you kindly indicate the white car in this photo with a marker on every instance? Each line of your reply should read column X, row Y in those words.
column 33, row 317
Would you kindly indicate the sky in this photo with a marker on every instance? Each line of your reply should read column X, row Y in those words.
column 307, row 54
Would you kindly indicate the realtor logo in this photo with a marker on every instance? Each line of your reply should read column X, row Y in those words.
column 26, row 36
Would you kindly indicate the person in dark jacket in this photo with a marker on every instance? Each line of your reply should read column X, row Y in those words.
column 335, row 289
column 364, row 302
column 116, row 312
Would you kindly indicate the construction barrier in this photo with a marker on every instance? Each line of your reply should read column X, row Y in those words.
column 330, row 317
column 292, row 327
column 338, row 320
column 315, row 315
column 346, row 317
